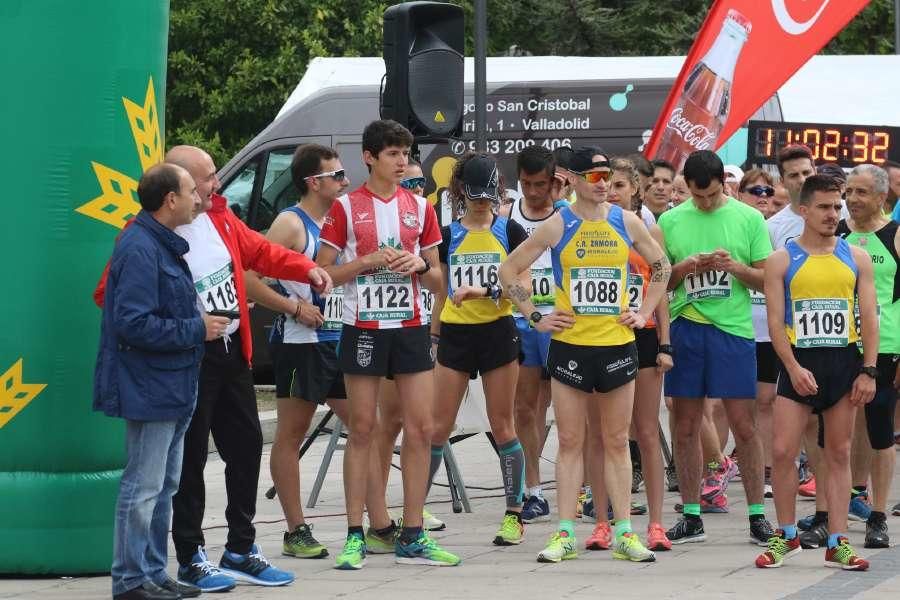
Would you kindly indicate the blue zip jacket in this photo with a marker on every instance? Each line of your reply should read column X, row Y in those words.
column 151, row 333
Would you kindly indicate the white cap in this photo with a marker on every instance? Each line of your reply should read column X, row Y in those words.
column 733, row 172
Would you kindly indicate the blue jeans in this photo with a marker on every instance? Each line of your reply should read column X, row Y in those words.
column 144, row 507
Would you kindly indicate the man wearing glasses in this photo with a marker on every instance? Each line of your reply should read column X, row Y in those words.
column 593, row 358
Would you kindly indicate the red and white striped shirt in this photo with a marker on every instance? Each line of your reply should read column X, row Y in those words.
column 360, row 223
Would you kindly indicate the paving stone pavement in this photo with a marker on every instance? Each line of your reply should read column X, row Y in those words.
column 722, row 567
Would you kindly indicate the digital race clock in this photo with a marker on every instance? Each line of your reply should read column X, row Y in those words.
column 846, row 145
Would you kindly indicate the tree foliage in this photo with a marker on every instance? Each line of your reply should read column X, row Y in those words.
column 232, row 63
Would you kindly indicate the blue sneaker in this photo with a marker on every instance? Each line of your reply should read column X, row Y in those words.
column 253, row 568
column 204, row 574
column 806, row 523
column 859, row 509
column 588, row 515
column 536, row 509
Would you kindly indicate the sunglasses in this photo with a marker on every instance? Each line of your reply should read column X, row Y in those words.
column 338, row 175
column 595, row 176
column 761, row 190
column 413, row 183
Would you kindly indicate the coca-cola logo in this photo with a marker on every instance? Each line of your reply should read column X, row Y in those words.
column 789, row 24
column 698, row 136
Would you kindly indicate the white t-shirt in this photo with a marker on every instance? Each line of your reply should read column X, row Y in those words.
column 787, row 224
column 211, row 268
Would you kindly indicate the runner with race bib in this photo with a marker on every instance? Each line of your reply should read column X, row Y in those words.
column 476, row 329
column 811, row 286
column 593, row 360
column 718, row 246
column 387, row 240
column 536, row 168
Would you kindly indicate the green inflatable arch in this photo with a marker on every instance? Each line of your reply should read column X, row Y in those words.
column 82, row 117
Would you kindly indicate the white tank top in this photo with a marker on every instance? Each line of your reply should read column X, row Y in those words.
column 542, row 269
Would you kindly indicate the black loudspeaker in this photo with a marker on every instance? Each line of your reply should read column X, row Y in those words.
column 423, row 58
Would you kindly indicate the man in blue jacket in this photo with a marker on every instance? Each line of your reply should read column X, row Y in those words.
column 151, row 343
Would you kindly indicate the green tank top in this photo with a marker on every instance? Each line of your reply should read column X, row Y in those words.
column 880, row 246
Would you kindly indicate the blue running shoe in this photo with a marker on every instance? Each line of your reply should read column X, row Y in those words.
column 424, row 551
column 859, row 509
column 536, row 509
column 253, row 568
column 806, row 523
column 204, row 574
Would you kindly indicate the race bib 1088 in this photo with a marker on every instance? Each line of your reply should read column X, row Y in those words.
column 596, row 290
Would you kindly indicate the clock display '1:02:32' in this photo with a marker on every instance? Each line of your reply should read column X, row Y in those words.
column 828, row 144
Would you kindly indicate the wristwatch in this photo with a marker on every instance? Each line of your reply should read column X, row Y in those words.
column 870, row 371
column 424, row 269
column 534, row 318
column 666, row 349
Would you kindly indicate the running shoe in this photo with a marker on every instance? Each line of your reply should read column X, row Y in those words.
column 735, row 469
column 637, row 480
column 806, row 523
column 300, row 543
column 629, row 547
column 656, row 538
column 779, row 549
column 601, row 537
column 204, row 574
column 719, row 504
column 637, row 508
column 896, row 510
column 424, row 551
column 687, row 531
column 353, row 556
column 431, row 522
column 807, row 488
column 767, row 483
column 816, row 537
column 560, row 547
column 844, row 557
column 671, row 479
column 803, row 468
column 588, row 514
column 254, row 568
column 859, row 509
column 712, row 483
column 877, row 534
column 381, row 544
column 761, row 532
column 511, row 532
column 536, row 509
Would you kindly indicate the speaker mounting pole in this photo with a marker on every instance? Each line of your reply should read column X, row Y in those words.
column 481, row 74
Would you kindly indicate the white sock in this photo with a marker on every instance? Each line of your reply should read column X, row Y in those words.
column 536, row 491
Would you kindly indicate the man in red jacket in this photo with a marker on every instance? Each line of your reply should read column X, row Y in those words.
column 222, row 247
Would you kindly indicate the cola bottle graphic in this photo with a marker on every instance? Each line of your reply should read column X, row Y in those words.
column 701, row 112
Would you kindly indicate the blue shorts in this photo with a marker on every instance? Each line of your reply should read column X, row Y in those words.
column 710, row 363
column 535, row 346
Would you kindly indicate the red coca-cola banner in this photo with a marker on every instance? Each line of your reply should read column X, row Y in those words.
column 745, row 51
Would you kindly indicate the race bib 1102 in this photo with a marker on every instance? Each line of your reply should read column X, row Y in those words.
column 708, row 285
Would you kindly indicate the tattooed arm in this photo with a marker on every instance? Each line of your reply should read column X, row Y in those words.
column 521, row 259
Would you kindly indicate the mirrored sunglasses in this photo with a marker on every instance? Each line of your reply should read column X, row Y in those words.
column 413, row 183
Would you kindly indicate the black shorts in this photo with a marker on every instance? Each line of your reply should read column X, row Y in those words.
column 767, row 363
column 307, row 371
column 385, row 352
column 478, row 348
column 835, row 369
column 880, row 411
column 647, row 343
column 593, row 368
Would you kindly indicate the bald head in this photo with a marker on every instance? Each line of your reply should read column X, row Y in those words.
column 201, row 167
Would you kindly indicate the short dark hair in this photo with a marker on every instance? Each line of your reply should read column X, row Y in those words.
column 379, row 135
column 307, row 161
column 890, row 164
column 702, row 167
column 534, row 159
column 658, row 163
column 818, row 183
column 156, row 183
column 640, row 162
column 792, row 152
